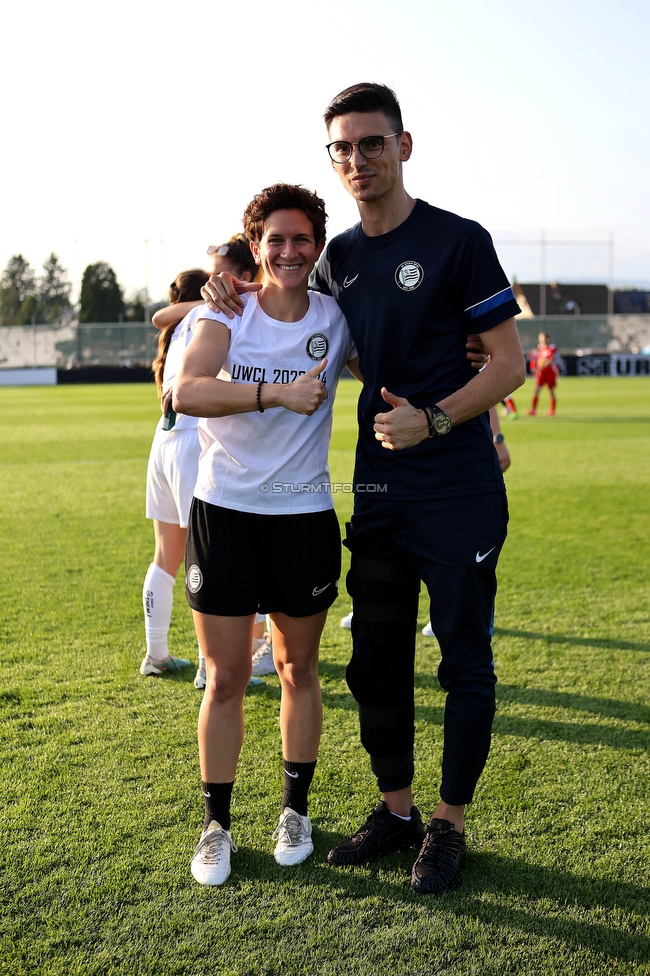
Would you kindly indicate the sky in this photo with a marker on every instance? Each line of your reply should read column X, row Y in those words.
column 137, row 132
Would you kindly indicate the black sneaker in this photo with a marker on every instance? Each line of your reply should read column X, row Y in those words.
column 381, row 834
column 437, row 867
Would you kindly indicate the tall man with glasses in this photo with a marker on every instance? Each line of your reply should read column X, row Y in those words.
column 413, row 282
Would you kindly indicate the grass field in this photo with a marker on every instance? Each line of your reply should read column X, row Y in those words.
column 100, row 798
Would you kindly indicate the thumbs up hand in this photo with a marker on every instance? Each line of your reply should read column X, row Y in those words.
column 305, row 394
column 403, row 426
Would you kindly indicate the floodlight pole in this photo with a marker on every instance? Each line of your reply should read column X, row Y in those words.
column 162, row 268
column 146, row 278
column 542, row 275
column 610, row 290
column 77, row 280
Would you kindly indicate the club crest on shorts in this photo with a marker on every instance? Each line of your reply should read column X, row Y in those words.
column 317, row 346
column 409, row 275
column 194, row 578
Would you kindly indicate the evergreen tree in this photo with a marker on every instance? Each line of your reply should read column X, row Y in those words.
column 30, row 311
column 17, row 282
column 53, row 289
column 101, row 296
column 137, row 305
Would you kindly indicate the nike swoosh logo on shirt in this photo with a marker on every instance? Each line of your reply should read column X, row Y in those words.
column 317, row 592
column 480, row 558
column 349, row 281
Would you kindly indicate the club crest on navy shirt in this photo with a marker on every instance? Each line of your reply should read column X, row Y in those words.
column 409, row 275
column 317, row 346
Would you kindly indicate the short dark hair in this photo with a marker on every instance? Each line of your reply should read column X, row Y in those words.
column 366, row 97
column 284, row 196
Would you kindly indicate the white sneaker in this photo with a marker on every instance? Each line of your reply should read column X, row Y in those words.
column 151, row 666
column 427, row 630
column 346, row 621
column 262, row 657
column 199, row 677
column 211, row 862
column 293, row 834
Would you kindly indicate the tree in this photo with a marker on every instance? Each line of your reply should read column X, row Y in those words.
column 137, row 306
column 53, row 289
column 29, row 311
column 101, row 296
column 17, row 282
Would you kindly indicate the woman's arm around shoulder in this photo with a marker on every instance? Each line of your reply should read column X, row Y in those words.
column 173, row 314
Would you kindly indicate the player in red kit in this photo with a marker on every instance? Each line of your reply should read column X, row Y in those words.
column 542, row 363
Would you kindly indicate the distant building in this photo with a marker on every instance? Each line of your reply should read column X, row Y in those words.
column 632, row 302
column 566, row 299
column 577, row 317
column 578, row 299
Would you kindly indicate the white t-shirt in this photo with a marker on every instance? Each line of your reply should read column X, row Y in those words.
column 274, row 463
column 179, row 341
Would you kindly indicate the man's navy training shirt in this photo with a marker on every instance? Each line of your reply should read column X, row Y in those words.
column 411, row 297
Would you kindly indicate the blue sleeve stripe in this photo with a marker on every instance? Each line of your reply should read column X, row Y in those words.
column 501, row 297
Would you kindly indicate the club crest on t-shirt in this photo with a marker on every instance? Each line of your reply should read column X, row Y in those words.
column 409, row 275
column 317, row 346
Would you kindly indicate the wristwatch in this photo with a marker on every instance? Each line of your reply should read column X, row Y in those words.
column 498, row 439
column 439, row 422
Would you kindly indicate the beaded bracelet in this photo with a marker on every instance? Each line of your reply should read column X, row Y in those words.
column 258, row 396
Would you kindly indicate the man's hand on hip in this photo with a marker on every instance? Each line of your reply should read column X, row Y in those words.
column 401, row 427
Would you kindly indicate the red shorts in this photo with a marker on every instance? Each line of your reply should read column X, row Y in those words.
column 546, row 377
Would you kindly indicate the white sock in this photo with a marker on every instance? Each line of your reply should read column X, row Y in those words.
column 157, row 600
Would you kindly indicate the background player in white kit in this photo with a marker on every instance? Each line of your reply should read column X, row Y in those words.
column 263, row 469
column 174, row 458
column 171, row 474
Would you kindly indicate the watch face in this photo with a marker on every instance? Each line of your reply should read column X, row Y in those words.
column 442, row 423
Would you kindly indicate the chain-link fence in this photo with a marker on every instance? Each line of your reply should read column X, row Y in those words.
column 73, row 346
column 588, row 334
column 134, row 344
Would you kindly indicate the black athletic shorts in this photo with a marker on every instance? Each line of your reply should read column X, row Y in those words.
column 240, row 563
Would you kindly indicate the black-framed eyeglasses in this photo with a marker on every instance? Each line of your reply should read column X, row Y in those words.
column 371, row 147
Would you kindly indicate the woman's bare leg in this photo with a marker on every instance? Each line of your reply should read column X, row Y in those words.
column 295, row 650
column 226, row 644
column 170, row 546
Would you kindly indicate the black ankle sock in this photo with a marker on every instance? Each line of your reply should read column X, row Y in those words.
column 297, row 780
column 217, row 803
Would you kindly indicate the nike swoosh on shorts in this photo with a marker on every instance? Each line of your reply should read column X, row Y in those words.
column 317, row 592
column 480, row 558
